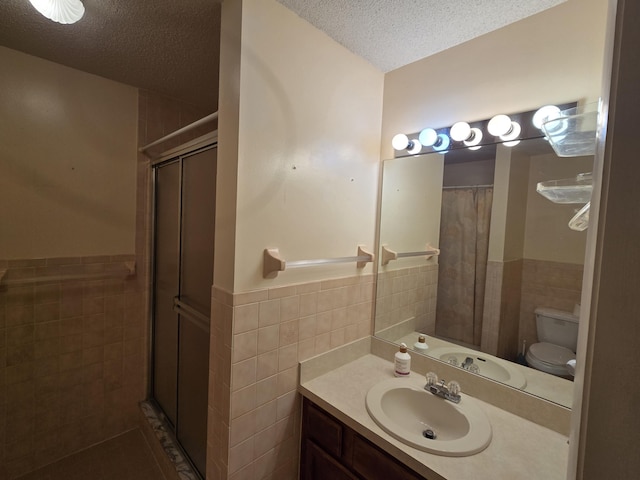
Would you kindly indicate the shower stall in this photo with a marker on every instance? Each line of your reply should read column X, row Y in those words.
column 183, row 246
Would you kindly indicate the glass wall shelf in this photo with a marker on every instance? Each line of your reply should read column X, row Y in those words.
column 569, row 190
column 573, row 132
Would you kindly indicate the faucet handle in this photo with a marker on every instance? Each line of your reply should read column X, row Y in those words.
column 432, row 379
column 454, row 387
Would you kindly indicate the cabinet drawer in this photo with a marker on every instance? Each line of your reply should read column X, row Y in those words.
column 323, row 430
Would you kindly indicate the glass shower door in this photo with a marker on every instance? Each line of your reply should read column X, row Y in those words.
column 166, row 286
column 181, row 316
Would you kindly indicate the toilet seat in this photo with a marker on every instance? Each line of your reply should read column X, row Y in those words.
column 550, row 358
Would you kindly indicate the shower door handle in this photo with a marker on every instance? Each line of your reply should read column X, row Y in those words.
column 194, row 316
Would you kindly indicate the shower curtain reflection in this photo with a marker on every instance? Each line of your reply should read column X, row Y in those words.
column 464, row 239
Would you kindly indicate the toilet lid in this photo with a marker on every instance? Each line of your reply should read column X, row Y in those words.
column 552, row 354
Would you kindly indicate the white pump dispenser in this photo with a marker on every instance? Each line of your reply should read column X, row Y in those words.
column 402, row 362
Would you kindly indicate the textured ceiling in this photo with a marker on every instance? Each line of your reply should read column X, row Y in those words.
column 172, row 46
column 394, row 33
column 168, row 46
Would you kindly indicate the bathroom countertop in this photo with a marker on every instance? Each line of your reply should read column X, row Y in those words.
column 519, row 449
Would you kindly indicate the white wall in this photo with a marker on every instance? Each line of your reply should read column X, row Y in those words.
column 67, row 161
column 308, row 147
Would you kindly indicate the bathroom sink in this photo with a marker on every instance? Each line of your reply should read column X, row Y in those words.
column 488, row 366
column 403, row 409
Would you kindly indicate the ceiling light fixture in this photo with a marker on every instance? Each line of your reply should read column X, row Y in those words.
column 61, row 11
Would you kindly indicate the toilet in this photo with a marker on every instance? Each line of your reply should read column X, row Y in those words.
column 558, row 337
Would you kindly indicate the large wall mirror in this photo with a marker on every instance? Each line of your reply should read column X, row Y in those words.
column 507, row 251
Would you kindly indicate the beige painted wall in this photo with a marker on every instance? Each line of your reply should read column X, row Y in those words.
column 411, row 207
column 308, row 147
column 508, row 213
column 547, row 235
column 228, row 118
column 552, row 57
column 524, row 224
column 517, row 201
column 68, row 161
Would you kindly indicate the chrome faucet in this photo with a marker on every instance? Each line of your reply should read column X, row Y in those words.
column 467, row 363
column 450, row 391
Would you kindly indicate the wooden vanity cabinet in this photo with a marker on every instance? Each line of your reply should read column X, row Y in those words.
column 331, row 450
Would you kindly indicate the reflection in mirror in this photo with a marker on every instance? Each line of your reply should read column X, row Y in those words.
column 501, row 299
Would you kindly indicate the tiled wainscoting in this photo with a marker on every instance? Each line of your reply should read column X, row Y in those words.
column 501, row 314
column 514, row 290
column 547, row 284
column 257, row 340
column 72, row 358
column 408, row 293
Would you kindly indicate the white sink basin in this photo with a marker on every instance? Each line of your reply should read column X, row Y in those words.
column 403, row 409
column 488, row 365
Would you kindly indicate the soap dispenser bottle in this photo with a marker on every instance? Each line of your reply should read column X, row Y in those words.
column 402, row 362
column 421, row 344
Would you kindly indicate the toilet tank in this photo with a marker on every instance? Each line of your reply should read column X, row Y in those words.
column 557, row 327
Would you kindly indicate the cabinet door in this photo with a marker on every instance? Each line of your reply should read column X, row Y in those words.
column 374, row 464
column 320, row 466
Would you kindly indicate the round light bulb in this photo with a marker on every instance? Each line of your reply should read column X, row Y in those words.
column 474, row 138
column 442, row 144
column 400, row 141
column 544, row 114
column 428, row 137
column 513, row 133
column 414, row 147
column 499, row 125
column 475, row 148
column 460, row 131
column 512, row 143
column 552, row 120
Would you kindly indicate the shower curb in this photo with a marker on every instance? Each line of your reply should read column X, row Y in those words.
column 172, row 452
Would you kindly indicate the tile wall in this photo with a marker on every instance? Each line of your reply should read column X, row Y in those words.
column 547, row 284
column 64, row 349
column 65, row 346
column 514, row 290
column 501, row 315
column 258, row 338
column 492, row 308
column 406, row 293
column 510, row 302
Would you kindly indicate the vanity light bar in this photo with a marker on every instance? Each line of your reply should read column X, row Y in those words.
column 505, row 129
